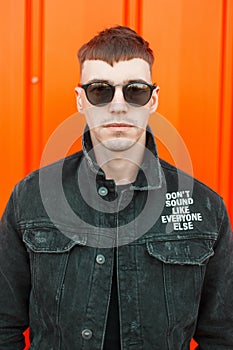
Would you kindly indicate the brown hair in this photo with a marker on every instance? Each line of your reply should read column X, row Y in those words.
column 116, row 44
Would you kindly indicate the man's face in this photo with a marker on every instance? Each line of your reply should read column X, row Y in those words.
column 116, row 125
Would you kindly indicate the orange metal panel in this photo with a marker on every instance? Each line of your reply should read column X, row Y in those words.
column 225, row 167
column 186, row 37
column 66, row 29
column 11, row 97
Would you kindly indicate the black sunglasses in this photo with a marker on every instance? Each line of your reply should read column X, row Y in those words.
column 100, row 93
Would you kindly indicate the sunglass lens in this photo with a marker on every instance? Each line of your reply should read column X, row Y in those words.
column 99, row 93
column 137, row 94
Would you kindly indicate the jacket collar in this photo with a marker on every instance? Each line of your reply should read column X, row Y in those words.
column 150, row 174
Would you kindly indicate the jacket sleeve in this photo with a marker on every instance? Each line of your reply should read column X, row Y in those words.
column 14, row 282
column 215, row 322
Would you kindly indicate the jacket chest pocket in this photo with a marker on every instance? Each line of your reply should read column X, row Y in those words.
column 184, row 260
column 182, row 251
column 49, row 251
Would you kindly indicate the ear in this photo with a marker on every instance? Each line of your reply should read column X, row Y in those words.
column 154, row 100
column 79, row 103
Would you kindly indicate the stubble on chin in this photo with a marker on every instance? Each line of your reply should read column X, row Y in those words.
column 118, row 144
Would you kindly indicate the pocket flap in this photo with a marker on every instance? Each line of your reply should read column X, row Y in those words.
column 185, row 251
column 50, row 240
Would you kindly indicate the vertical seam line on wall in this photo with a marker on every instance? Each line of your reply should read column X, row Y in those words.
column 231, row 153
column 222, row 91
column 231, row 163
column 40, row 97
column 139, row 17
column 126, row 10
column 29, row 31
column 27, row 87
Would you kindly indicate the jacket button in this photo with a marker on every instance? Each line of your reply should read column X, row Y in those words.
column 100, row 259
column 103, row 191
column 87, row 334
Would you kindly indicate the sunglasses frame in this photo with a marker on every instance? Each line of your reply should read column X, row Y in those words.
column 124, row 87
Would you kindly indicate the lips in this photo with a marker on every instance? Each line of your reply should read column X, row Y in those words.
column 118, row 125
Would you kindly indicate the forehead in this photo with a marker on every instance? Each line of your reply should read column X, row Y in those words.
column 120, row 72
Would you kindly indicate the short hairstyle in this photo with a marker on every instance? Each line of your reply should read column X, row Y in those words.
column 116, row 44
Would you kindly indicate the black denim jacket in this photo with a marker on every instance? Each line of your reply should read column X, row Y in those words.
column 174, row 259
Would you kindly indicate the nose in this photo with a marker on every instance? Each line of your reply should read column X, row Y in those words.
column 118, row 103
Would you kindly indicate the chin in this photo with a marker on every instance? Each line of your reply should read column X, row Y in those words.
column 118, row 144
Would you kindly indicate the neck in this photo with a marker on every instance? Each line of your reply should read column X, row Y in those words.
column 121, row 166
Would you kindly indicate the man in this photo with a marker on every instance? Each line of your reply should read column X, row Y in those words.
column 113, row 248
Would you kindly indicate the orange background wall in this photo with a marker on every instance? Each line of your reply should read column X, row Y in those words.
column 193, row 43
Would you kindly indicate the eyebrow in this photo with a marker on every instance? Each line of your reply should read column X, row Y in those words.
column 111, row 82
